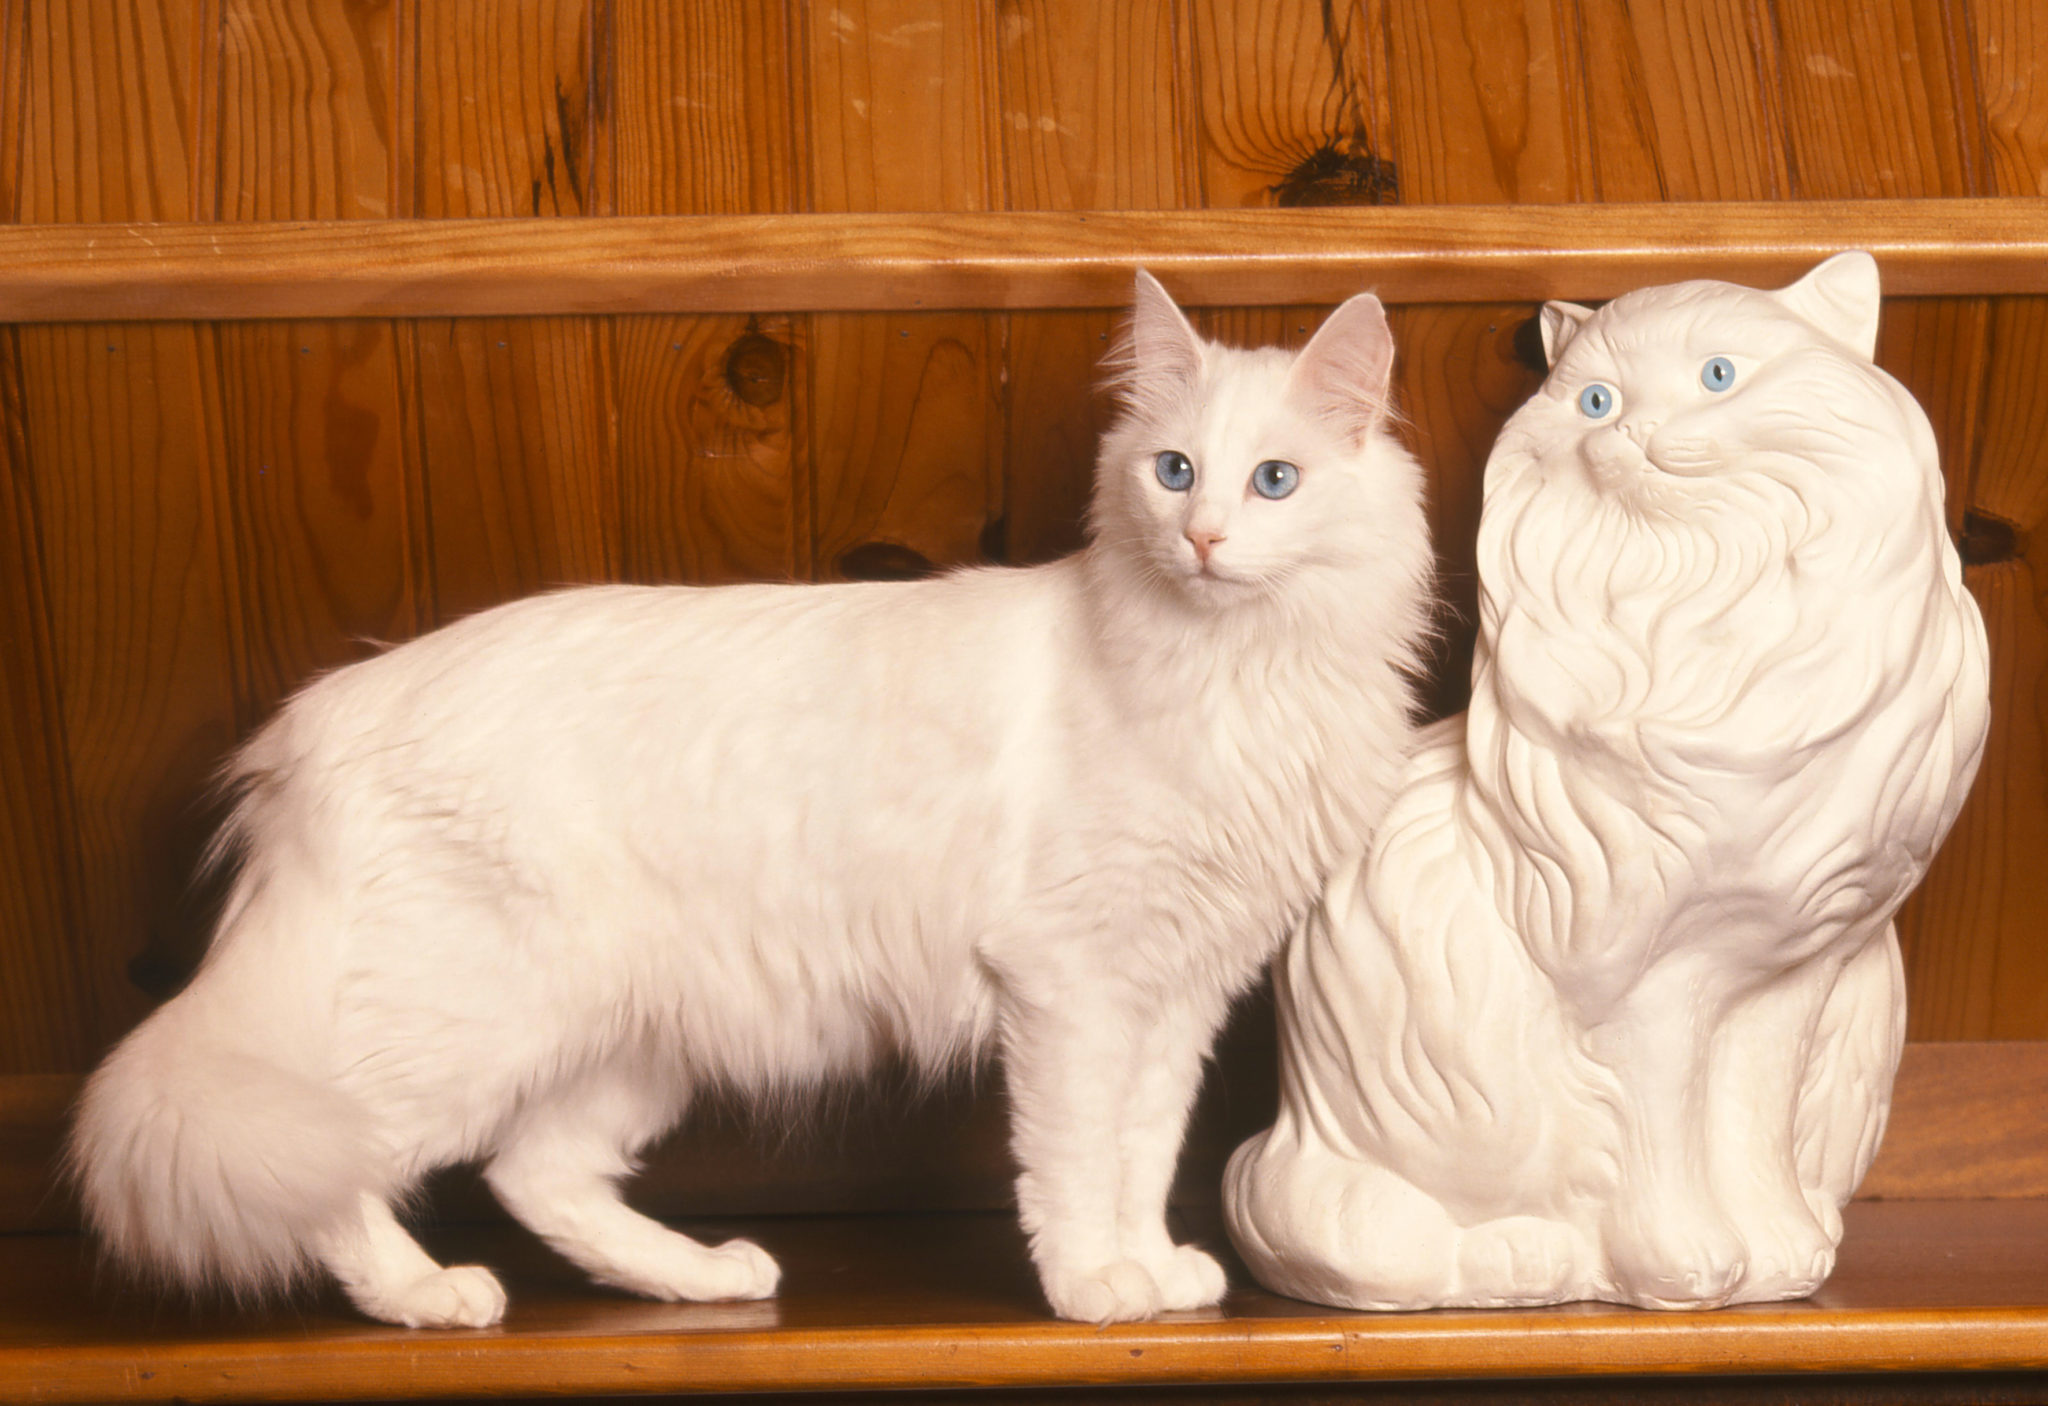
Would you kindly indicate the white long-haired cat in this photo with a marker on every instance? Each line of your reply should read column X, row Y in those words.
column 520, row 889
column 1613, row 1008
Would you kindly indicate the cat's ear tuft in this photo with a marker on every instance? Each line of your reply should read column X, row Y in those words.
column 1841, row 297
column 1560, row 322
column 1347, row 367
column 1163, row 344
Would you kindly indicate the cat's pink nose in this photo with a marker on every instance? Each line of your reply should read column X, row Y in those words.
column 1639, row 428
column 1204, row 541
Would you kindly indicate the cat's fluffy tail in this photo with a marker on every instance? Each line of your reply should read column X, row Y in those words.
column 212, row 1168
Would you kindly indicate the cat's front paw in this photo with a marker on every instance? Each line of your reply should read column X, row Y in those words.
column 1188, row 1278
column 1112, row 1293
column 740, row 1269
column 465, row 1296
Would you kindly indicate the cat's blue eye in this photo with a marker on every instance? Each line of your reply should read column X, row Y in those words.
column 1175, row 470
column 1596, row 400
column 1276, row 478
column 1718, row 374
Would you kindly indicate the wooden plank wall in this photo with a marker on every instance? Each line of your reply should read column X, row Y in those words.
column 194, row 517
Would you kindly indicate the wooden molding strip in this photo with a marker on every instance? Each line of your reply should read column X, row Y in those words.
column 916, row 262
column 1967, row 1123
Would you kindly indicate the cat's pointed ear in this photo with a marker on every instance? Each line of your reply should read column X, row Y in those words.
column 1163, row 343
column 1346, row 368
column 1841, row 297
column 1559, row 323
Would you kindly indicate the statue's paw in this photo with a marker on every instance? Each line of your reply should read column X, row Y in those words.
column 1519, row 1260
column 1787, row 1261
column 1679, row 1261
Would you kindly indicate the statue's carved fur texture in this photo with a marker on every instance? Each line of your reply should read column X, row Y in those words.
column 1613, row 1006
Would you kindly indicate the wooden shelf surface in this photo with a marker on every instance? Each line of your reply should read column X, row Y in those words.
column 947, row 1301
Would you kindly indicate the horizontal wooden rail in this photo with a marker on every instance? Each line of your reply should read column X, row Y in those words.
column 906, row 262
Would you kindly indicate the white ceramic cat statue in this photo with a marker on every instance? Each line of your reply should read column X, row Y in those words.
column 1612, row 1008
column 516, row 891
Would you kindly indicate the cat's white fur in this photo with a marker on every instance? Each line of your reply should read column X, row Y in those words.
column 520, row 889
column 1613, row 1007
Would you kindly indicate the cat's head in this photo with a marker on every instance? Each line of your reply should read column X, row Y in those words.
column 1666, row 395
column 1230, row 474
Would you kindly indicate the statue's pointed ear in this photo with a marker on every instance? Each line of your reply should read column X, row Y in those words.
column 1840, row 297
column 1560, row 322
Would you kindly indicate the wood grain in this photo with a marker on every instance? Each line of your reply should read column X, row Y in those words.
column 1966, row 1122
column 706, row 443
column 1459, row 377
column 127, row 506
column 1869, row 104
column 2009, row 61
column 13, row 75
column 515, row 445
column 503, row 109
column 712, row 459
column 936, row 1302
column 1485, row 106
column 522, row 486
column 1296, row 106
column 112, row 108
column 128, row 502
column 308, row 111
column 904, row 428
column 326, row 522
column 1990, row 966
column 1981, row 969
column 1094, row 115
column 699, row 110
column 1679, row 100
column 46, row 1028
column 1026, row 259
column 1092, row 106
column 322, row 460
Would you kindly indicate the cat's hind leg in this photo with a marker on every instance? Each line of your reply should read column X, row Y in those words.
column 388, row 1276
column 558, row 1168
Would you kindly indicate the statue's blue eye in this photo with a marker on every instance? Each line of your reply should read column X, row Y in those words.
column 1175, row 470
column 1718, row 374
column 1596, row 400
column 1276, row 478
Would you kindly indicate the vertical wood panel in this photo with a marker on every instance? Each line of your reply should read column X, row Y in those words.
column 111, row 111
column 712, row 470
column 1295, row 105
column 903, row 423
column 1679, row 100
column 125, row 501
column 13, row 104
column 314, row 424
column 521, row 483
column 1485, row 102
column 308, row 111
column 43, row 1028
column 1094, row 114
column 503, row 105
column 1460, row 378
column 1976, row 962
column 1870, row 108
column 1870, row 96
column 1487, row 108
column 324, row 522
